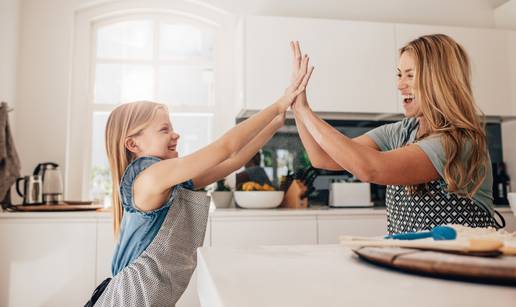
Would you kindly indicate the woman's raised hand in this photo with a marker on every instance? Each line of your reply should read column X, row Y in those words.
column 296, row 66
column 300, row 75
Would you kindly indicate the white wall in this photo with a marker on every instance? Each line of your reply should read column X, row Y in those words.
column 9, row 33
column 9, row 13
column 505, row 15
column 46, row 39
column 46, row 29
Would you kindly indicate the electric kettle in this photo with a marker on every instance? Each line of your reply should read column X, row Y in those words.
column 32, row 189
column 52, row 182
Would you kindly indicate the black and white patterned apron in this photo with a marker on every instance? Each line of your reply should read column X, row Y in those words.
column 434, row 206
column 160, row 275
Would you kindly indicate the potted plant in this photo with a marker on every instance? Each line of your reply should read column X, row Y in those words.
column 222, row 195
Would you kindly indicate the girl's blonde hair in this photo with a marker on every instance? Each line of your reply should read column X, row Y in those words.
column 125, row 121
column 443, row 89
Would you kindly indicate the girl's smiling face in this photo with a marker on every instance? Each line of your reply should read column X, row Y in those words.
column 407, row 84
column 158, row 139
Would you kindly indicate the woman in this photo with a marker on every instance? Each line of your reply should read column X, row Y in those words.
column 435, row 161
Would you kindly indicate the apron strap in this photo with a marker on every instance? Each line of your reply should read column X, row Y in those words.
column 98, row 292
column 498, row 225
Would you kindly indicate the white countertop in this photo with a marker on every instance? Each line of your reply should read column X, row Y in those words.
column 218, row 213
column 326, row 275
column 71, row 215
column 214, row 213
column 311, row 211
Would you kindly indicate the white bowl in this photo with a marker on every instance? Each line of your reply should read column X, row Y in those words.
column 512, row 201
column 258, row 199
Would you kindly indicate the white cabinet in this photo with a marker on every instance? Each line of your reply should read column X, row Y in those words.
column 489, row 56
column 510, row 220
column 46, row 262
column 207, row 235
column 267, row 230
column 331, row 227
column 105, row 248
column 511, row 41
column 355, row 63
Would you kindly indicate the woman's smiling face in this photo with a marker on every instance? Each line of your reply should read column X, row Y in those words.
column 407, row 84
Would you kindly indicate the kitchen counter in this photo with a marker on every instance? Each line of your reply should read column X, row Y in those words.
column 311, row 211
column 325, row 275
column 64, row 215
column 226, row 212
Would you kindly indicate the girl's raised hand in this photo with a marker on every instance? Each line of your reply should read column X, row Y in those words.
column 300, row 76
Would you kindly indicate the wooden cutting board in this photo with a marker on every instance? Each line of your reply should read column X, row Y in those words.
column 500, row 269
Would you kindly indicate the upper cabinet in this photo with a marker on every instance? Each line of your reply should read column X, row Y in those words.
column 511, row 41
column 489, row 53
column 355, row 63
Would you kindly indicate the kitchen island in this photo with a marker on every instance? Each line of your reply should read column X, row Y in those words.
column 326, row 275
column 59, row 257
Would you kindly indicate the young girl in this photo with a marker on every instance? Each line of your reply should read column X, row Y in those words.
column 160, row 222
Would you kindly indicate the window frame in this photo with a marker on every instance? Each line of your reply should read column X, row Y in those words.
column 88, row 19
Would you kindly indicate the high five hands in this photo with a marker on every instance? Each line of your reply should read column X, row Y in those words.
column 301, row 73
column 297, row 66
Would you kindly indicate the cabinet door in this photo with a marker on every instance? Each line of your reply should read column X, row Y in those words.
column 105, row 248
column 207, row 235
column 489, row 57
column 355, row 63
column 510, row 221
column 46, row 262
column 511, row 40
column 252, row 231
column 331, row 227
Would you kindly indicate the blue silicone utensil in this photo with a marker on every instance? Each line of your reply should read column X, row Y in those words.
column 437, row 233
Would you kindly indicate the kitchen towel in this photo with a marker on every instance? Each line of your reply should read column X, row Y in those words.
column 9, row 161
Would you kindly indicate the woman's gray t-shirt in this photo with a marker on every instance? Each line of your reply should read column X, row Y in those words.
column 396, row 135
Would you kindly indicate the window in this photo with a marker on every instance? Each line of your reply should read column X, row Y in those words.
column 151, row 57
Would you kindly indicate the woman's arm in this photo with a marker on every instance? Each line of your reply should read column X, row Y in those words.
column 318, row 157
column 404, row 166
column 241, row 157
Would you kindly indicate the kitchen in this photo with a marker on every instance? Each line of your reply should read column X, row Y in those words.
column 47, row 59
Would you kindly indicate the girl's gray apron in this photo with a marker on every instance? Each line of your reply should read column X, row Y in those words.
column 162, row 272
column 434, row 206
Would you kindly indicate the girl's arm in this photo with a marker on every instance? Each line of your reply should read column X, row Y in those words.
column 241, row 157
column 404, row 166
column 153, row 185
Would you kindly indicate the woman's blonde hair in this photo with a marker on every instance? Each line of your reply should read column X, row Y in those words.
column 125, row 121
column 443, row 89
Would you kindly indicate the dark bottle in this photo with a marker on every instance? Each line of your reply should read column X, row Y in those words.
column 501, row 184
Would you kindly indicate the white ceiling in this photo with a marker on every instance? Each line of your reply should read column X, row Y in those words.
column 450, row 12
